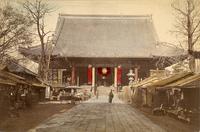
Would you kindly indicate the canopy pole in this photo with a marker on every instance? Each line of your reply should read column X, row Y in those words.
column 73, row 75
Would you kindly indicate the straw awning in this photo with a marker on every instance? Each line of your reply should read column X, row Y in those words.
column 7, row 82
column 38, row 85
column 145, row 81
column 13, row 77
column 169, row 79
column 184, row 81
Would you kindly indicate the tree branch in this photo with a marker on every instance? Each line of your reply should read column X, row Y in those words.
column 179, row 10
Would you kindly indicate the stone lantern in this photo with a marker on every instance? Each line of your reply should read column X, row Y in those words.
column 131, row 76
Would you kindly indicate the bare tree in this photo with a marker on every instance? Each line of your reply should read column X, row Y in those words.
column 178, row 57
column 14, row 31
column 38, row 10
column 187, row 27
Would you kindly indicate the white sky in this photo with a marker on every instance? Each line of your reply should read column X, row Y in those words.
column 160, row 10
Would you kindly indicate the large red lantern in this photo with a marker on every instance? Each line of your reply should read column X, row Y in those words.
column 104, row 71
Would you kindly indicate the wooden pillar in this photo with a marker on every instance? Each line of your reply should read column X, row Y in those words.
column 115, row 77
column 47, row 92
column 119, row 75
column 136, row 74
column 89, row 74
column 73, row 76
column 60, row 76
column 146, row 94
column 78, row 81
column 93, row 76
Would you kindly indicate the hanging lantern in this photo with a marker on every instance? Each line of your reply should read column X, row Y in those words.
column 104, row 71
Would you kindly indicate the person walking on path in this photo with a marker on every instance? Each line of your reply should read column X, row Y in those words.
column 111, row 95
column 97, row 94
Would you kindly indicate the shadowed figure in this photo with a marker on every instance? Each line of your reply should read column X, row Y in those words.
column 97, row 94
column 111, row 95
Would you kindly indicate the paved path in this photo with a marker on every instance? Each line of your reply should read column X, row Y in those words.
column 96, row 115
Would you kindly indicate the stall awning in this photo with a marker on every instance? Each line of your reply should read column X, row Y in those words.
column 12, row 77
column 7, row 82
column 38, row 85
column 168, row 80
column 187, row 82
column 145, row 81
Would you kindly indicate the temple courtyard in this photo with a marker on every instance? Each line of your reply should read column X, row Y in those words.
column 97, row 115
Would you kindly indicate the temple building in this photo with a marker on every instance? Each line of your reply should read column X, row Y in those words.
column 102, row 49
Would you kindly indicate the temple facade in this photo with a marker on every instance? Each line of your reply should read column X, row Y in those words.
column 102, row 49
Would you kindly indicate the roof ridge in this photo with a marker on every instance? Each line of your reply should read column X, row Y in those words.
column 107, row 15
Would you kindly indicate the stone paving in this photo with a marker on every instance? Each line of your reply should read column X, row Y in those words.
column 97, row 115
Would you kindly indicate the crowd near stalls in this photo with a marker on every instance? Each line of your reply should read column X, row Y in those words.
column 69, row 93
column 19, row 89
column 174, row 93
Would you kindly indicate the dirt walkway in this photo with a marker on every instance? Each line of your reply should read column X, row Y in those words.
column 32, row 117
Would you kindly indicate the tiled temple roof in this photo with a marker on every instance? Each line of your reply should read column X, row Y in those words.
column 107, row 36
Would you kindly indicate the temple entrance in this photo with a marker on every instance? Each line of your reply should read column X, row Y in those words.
column 105, row 76
column 99, row 75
